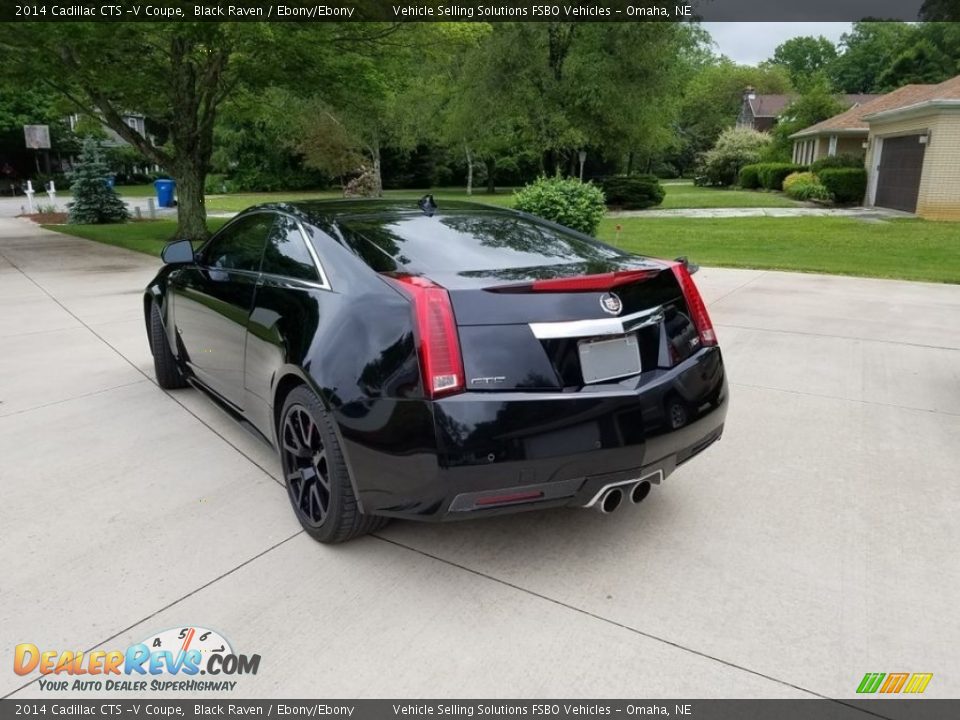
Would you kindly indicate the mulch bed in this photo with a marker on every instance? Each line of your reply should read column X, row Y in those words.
column 60, row 218
column 56, row 218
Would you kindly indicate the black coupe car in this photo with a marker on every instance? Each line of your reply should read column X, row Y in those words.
column 435, row 363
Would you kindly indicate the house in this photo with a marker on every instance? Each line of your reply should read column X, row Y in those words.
column 846, row 133
column 910, row 141
column 134, row 121
column 761, row 112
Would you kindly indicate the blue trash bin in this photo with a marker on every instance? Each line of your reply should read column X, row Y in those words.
column 164, row 190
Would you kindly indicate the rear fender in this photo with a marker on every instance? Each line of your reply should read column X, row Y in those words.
column 290, row 377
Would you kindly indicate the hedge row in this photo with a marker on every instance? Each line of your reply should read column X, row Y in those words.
column 632, row 192
column 846, row 185
column 769, row 176
column 845, row 160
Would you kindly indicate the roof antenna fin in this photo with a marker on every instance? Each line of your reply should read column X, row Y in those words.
column 428, row 205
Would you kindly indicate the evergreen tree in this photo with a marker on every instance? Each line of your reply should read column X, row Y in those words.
column 94, row 201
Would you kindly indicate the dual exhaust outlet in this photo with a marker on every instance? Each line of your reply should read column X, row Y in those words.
column 612, row 498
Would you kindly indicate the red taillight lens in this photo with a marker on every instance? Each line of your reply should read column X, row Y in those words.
column 436, row 332
column 695, row 304
column 588, row 283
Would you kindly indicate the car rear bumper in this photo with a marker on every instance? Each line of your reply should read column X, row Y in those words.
column 496, row 453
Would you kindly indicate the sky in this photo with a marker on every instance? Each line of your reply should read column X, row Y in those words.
column 753, row 42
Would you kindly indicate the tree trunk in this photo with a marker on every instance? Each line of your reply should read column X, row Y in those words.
column 469, row 170
column 378, row 178
column 630, row 163
column 491, row 165
column 191, row 210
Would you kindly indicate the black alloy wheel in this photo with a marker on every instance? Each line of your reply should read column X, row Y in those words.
column 305, row 466
column 315, row 473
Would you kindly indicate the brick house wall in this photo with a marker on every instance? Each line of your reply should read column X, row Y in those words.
column 939, row 195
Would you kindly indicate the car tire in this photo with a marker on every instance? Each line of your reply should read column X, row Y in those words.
column 315, row 474
column 165, row 365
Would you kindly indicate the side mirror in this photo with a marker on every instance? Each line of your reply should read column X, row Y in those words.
column 177, row 252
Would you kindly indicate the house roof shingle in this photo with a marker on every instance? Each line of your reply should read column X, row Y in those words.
column 773, row 105
column 852, row 120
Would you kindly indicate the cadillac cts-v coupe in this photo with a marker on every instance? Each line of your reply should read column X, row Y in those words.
column 434, row 363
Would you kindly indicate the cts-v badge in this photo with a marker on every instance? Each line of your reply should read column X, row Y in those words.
column 611, row 303
column 494, row 380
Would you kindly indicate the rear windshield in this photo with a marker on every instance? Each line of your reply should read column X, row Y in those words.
column 464, row 243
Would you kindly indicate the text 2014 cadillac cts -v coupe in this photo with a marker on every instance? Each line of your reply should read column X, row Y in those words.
column 434, row 363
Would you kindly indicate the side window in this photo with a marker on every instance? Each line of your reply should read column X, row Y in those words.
column 240, row 246
column 287, row 252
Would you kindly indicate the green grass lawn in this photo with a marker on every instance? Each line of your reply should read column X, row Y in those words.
column 679, row 194
column 147, row 237
column 905, row 249
column 686, row 195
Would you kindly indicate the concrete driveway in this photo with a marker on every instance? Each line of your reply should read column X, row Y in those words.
column 815, row 543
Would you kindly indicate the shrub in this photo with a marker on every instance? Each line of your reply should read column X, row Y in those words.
column 565, row 201
column 836, row 161
column 771, row 175
column 808, row 178
column 215, row 184
column 810, row 191
column 633, row 192
column 847, row 185
column 735, row 147
column 750, row 177
column 805, row 186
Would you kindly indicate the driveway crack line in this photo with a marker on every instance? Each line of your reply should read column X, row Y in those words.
column 846, row 399
column 70, row 399
column 141, row 372
column 738, row 288
column 168, row 606
column 628, row 628
column 837, row 337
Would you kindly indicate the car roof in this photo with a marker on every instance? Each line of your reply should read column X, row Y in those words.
column 322, row 212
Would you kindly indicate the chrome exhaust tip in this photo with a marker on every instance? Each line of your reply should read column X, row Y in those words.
column 639, row 492
column 610, row 501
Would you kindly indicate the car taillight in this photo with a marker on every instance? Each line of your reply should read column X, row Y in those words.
column 436, row 332
column 695, row 305
column 588, row 283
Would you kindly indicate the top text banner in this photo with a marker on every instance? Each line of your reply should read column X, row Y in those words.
column 472, row 10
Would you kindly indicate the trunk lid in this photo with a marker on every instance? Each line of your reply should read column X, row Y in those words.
column 558, row 327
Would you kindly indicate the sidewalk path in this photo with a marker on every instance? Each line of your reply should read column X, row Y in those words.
column 857, row 212
column 13, row 206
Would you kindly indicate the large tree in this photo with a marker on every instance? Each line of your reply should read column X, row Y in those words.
column 804, row 57
column 179, row 74
column 560, row 88
column 385, row 105
column 868, row 50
